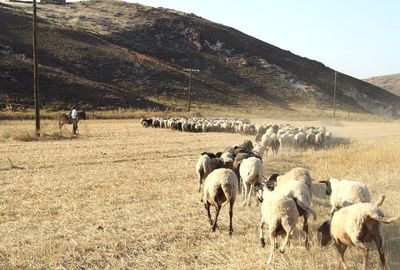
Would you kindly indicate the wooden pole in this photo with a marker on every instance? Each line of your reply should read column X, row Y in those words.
column 349, row 107
column 36, row 73
column 190, row 90
column 334, row 97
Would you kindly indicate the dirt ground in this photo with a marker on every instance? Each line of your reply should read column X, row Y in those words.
column 124, row 197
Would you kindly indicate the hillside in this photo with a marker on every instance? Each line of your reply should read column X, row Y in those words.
column 108, row 54
column 390, row 83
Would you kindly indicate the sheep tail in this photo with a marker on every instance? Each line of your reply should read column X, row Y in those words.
column 229, row 190
column 305, row 207
column 380, row 201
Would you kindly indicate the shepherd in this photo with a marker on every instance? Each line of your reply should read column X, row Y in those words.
column 72, row 118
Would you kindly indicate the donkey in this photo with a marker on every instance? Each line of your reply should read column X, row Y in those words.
column 66, row 118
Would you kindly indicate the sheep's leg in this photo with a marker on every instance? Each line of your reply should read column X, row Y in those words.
column 246, row 188
column 201, row 175
column 365, row 249
column 207, row 205
column 271, row 250
column 249, row 195
column 216, row 217
column 305, row 229
column 365, row 261
column 378, row 239
column 289, row 231
column 341, row 250
column 231, row 202
column 262, row 241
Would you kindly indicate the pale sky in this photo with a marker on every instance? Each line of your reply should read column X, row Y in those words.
column 360, row 38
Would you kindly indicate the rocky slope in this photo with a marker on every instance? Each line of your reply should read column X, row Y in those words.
column 390, row 83
column 108, row 54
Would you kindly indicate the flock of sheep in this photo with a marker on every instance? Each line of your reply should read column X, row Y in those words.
column 354, row 220
column 268, row 136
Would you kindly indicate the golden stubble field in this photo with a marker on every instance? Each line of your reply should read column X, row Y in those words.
column 124, row 197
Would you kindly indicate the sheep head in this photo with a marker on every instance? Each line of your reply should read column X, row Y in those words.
column 273, row 177
column 324, row 229
column 259, row 188
column 328, row 186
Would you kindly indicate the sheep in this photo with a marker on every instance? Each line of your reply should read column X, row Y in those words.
column 260, row 149
column 236, row 167
column 310, row 139
column 298, row 173
column 220, row 188
column 146, row 122
column 271, row 140
column 319, row 139
column 275, row 144
column 300, row 139
column 357, row 225
column 300, row 191
column 251, row 172
column 344, row 192
column 280, row 213
column 227, row 157
column 203, row 168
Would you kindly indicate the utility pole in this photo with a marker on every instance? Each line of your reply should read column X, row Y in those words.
column 334, row 97
column 36, row 73
column 190, row 85
column 349, row 107
column 190, row 90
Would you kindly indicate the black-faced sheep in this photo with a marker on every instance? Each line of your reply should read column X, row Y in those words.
column 356, row 225
column 344, row 192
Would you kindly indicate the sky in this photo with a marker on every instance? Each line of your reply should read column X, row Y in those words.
column 360, row 38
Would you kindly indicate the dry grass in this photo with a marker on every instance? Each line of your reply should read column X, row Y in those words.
column 109, row 114
column 124, row 197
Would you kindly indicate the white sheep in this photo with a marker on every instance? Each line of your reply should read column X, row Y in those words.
column 227, row 157
column 344, row 192
column 300, row 192
column 300, row 139
column 270, row 141
column 260, row 150
column 280, row 213
column 203, row 169
column 251, row 172
column 356, row 225
column 319, row 138
column 219, row 189
column 298, row 173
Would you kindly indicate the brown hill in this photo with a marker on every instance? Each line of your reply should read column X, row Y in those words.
column 390, row 83
column 107, row 54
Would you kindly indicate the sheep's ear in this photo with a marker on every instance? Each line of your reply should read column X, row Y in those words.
column 273, row 178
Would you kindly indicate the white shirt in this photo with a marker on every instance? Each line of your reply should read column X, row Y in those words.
column 74, row 114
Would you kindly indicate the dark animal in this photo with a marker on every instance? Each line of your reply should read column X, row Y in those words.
column 66, row 118
column 146, row 122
